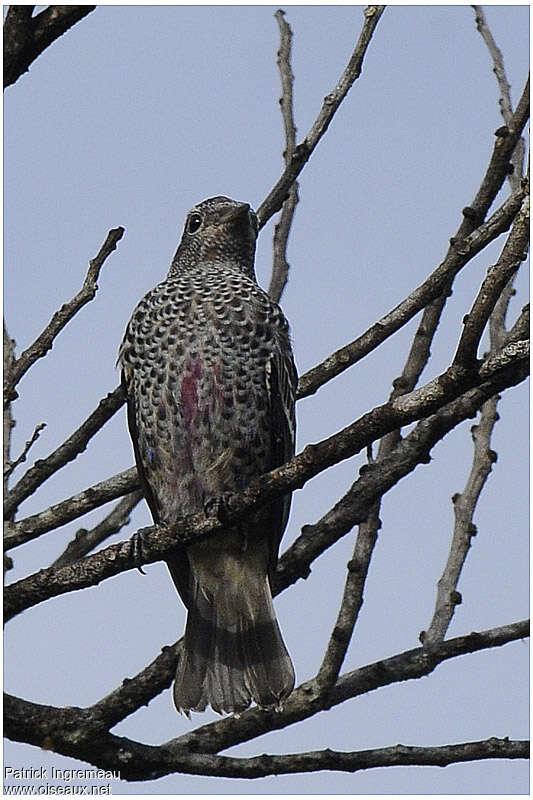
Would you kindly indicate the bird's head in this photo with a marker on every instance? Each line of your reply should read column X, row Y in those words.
column 217, row 230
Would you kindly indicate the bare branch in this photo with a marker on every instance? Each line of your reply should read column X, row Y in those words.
column 73, row 507
column 25, row 37
column 17, row 32
column 85, row 540
column 521, row 327
column 495, row 293
column 287, row 80
column 82, row 733
column 505, row 91
column 464, row 506
column 303, row 150
column 434, row 288
column 437, row 286
column 351, row 603
column 139, row 690
column 497, row 61
column 67, row 451
column 498, row 276
column 280, row 269
column 345, row 761
column 499, row 166
column 45, row 340
column 504, row 357
column 308, row 699
column 374, row 481
column 12, row 465
column 508, row 368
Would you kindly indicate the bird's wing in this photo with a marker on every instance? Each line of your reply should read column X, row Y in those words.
column 134, row 433
column 282, row 380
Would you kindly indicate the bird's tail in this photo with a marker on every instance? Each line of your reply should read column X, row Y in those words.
column 233, row 652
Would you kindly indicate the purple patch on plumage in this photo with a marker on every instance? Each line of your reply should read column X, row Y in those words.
column 188, row 391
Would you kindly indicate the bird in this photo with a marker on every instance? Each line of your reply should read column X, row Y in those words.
column 210, row 381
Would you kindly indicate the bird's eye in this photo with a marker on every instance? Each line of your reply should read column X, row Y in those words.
column 194, row 223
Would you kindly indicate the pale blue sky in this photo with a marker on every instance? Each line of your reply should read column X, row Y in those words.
column 130, row 119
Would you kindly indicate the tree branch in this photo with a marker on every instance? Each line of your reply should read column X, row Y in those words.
column 505, row 92
column 307, row 699
column 86, row 540
column 509, row 367
column 82, row 733
column 25, row 530
column 280, row 269
column 12, row 465
column 395, row 756
column 26, row 37
column 498, row 276
column 303, row 151
column 61, row 318
column 374, row 481
column 68, row 451
column 495, row 292
column 434, row 288
column 351, row 602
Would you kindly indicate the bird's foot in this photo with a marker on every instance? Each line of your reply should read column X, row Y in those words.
column 218, row 507
column 137, row 549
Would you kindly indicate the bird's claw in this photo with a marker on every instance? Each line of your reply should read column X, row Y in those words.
column 137, row 550
column 218, row 507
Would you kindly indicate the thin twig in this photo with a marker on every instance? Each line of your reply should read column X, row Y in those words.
column 504, row 101
column 375, row 480
column 86, row 540
column 29, row 528
column 437, row 286
column 45, row 340
column 351, row 603
column 498, row 281
column 12, row 465
column 497, row 278
column 280, row 268
column 303, row 151
column 464, row 529
column 67, row 451
column 433, row 289
column 497, row 61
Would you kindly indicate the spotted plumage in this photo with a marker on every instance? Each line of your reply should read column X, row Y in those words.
column 210, row 381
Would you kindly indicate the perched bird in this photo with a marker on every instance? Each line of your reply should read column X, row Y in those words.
column 210, row 383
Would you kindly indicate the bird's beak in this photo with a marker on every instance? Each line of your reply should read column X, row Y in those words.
column 235, row 213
